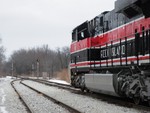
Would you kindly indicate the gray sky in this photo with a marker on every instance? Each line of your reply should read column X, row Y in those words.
column 32, row 23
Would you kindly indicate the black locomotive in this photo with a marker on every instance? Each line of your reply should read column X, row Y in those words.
column 111, row 53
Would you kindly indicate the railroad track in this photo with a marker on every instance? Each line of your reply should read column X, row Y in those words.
column 30, row 110
column 63, row 86
column 110, row 99
column 71, row 109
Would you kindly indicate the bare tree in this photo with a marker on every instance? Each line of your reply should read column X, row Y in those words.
column 50, row 61
column 2, row 59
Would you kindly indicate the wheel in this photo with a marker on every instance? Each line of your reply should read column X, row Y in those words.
column 87, row 90
column 137, row 100
column 82, row 89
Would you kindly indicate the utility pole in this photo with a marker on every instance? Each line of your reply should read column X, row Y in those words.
column 37, row 64
column 32, row 70
column 12, row 69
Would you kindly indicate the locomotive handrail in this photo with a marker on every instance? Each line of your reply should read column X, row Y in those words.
column 124, row 40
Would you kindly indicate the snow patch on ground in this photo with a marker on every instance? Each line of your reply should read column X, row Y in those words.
column 59, row 81
column 2, row 93
column 2, row 110
column 2, row 100
column 7, row 78
column 9, row 101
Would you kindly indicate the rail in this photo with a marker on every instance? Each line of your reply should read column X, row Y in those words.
column 29, row 110
column 71, row 109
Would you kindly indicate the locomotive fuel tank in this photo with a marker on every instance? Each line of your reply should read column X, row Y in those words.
column 102, row 83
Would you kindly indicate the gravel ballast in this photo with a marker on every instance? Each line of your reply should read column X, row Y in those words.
column 37, row 102
column 82, row 103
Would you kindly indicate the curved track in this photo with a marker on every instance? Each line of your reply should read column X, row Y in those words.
column 63, row 86
column 72, row 110
column 29, row 110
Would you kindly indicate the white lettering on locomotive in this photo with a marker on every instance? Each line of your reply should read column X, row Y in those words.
column 115, row 51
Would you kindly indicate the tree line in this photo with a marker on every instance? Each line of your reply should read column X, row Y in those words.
column 27, row 61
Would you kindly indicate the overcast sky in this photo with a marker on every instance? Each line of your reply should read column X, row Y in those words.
column 32, row 23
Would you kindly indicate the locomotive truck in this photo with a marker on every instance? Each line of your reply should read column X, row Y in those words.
column 110, row 54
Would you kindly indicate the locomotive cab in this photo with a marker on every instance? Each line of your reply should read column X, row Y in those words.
column 81, row 32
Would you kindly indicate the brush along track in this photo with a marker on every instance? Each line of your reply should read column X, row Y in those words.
column 29, row 110
column 110, row 99
column 69, row 108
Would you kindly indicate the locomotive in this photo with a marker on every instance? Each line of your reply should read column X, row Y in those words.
column 110, row 54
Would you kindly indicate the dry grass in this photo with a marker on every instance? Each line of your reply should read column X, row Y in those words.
column 63, row 75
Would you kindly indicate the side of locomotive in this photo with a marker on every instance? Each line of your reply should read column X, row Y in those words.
column 111, row 53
